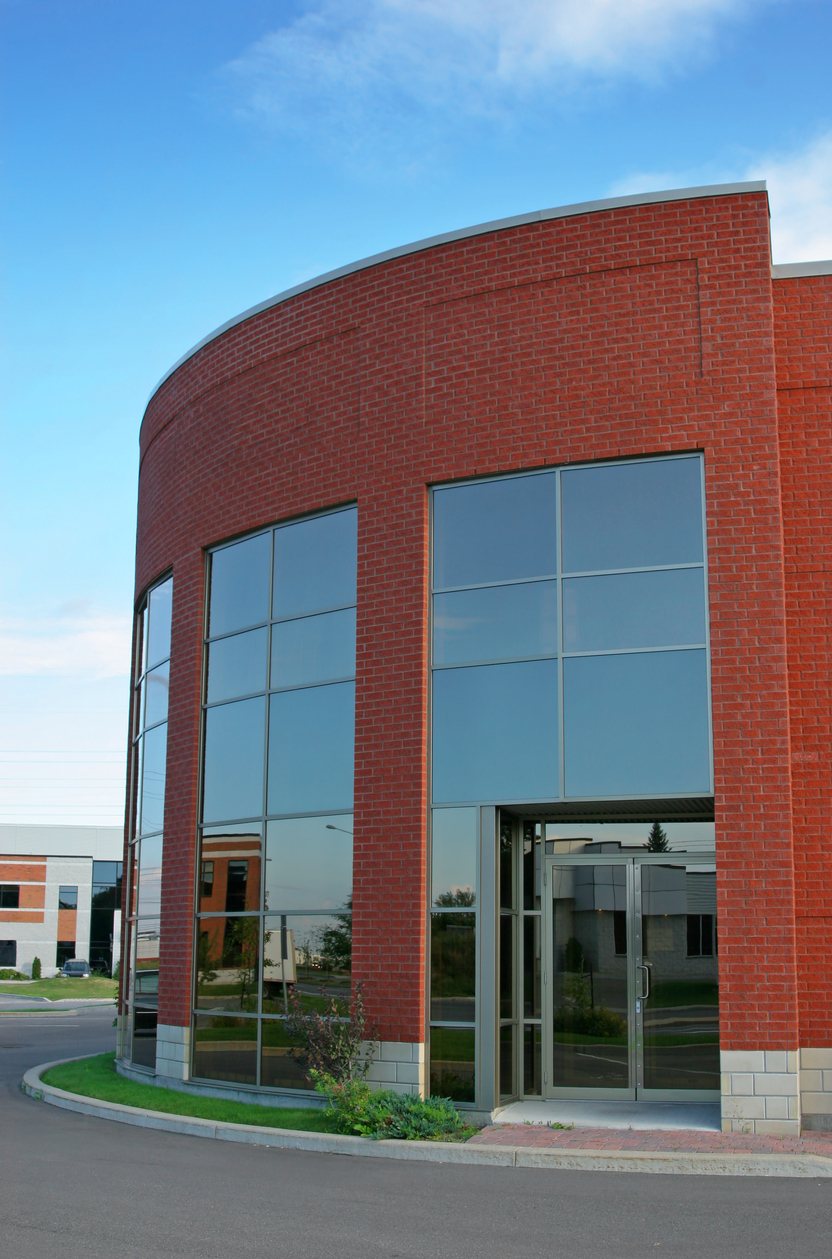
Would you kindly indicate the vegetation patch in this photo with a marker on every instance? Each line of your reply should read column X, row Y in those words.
column 97, row 1077
column 361, row 1111
column 65, row 989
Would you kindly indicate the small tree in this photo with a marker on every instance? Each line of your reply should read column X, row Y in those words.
column 657, row 839
column 36, row 968
column 329, row 1043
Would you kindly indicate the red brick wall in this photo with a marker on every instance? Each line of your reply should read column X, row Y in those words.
column 619, row 333
column 803, row 337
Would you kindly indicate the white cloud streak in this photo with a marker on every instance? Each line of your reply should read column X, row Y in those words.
column 74, row 640
column 342, row 66
column 800, row 192
column 799, row 188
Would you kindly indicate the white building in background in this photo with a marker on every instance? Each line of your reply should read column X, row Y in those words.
column 60, row 895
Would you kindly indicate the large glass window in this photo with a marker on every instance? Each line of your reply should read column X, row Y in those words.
column 569, row 624
column 453, row 952
column 144, row 900
column 275, row 865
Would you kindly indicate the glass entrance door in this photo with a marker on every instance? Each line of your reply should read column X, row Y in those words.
column 630, row 981
column 677, row 989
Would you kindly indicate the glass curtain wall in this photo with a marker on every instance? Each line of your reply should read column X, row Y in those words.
column 570, row 649
column 274, row 883
column 570, row 661
column 150, row 707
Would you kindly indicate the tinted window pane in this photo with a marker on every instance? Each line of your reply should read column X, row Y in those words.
column 494, row 531
column 156, row 695
column 663, row 609
column 314, row 649
column 315, row 564
column 452, row 1063
column 507, row 967
column 495, row 732
column 636, row 724
column 229, row 871
column 495, row 623
column 311, row 739
column 240, row 584
column 228, row 961
column 150, row 876
column 154, row 751
column 158, row 633
column 234, row 745
column 452, row 967
column 225, row 1049
column 278, row 1068
column 303, row 952
column 309, row 863
column 631, row 515
column 237, row 665
column 454, row 857
column 147, row 955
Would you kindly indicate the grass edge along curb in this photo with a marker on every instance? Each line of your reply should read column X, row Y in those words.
column 701, row 1164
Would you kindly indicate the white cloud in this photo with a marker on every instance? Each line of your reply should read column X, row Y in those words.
column 71, row 640
column 799, row 188
column 800, row 193
column 343, row 68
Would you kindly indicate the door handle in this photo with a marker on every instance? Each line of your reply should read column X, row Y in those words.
column 645, row 967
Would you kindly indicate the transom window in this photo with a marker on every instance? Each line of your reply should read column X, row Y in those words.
column 570, row 640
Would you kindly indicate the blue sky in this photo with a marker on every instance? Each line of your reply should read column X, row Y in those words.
column 166, row 165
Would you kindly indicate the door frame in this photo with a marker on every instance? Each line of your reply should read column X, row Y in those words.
column 633, row 863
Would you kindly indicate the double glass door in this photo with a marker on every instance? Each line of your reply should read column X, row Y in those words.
column 630, row 977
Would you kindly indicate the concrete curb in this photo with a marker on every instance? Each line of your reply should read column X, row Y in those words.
column 666, row 1162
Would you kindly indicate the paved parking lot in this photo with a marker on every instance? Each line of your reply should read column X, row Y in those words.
column 82, row 1188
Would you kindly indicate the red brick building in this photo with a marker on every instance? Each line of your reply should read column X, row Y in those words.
column 536, row 513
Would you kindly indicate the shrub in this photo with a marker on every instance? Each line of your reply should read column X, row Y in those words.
column 331, row 1042
column 36, row 968
column 8, row 973
column 360, row 1111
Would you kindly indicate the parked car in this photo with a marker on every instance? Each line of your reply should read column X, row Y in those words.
column 76, row 968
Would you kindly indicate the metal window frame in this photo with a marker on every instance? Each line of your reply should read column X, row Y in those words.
column 134, row 834
column 487, row 950
column 264, row 817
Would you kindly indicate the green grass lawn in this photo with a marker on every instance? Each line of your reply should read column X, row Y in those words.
column 97, row 1077
column 62, row 989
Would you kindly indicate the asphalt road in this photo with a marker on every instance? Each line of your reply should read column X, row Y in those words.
column 78, row 1188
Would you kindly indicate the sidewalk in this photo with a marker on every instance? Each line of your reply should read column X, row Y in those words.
column 667, row 1140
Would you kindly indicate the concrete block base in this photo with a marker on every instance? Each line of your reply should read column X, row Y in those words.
column 398, row 1065
column 761, row 1091
column 173, row 1052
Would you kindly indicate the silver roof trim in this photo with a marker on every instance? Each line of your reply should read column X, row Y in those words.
column 517, row 220
column 794, row 270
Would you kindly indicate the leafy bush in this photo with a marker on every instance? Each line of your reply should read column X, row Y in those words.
column 36, row 968
column 598, row 1022
column 8, row 973
column 360, row 1111
column 331, row 1041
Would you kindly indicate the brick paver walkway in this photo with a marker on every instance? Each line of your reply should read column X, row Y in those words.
column 684, row 1140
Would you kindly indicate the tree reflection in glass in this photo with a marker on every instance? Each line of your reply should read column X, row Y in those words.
column 453, row 964
column 227, row 963
column 307, row 957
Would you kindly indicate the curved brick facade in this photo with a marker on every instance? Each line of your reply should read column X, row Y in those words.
column 620, row 332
